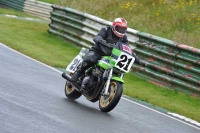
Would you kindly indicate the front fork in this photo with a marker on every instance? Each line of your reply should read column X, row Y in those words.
column 108, row 82
column 109, row 77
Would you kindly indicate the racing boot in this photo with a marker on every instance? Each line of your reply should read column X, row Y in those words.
column 80, row 70
column 84, row 84
column 76, row 75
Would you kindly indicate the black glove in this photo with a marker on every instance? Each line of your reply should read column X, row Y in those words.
column 103, row 42
column 144, row 63
column 111, row 45
column 137, row 60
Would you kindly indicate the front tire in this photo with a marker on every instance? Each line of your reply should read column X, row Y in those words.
column 71, row 93
column 107, row 103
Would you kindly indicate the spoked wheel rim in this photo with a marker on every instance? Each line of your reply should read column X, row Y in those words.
column 105, row 100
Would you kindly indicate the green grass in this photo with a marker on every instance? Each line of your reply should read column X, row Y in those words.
column 177, row 20
column 13, row 12
column 32, row 39
column 167, row 99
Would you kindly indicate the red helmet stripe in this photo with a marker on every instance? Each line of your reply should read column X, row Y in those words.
column 120, row 22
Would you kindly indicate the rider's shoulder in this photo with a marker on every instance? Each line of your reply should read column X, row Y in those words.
column 106, row 28
column 109, row 27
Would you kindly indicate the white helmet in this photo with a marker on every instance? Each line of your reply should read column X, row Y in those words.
column 119, row 27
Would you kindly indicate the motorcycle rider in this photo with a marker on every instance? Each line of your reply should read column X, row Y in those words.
column 111, row 34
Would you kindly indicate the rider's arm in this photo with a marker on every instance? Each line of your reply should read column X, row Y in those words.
column 100, row 36
column 137, row 59
column 125, row 39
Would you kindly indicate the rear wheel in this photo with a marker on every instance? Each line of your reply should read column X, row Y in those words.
column 70, row 92
column 107, row 103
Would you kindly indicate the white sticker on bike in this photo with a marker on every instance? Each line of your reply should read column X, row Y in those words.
column 74, row 64
column 124, row 62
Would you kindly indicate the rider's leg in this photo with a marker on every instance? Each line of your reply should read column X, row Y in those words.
column 80, row 70
column 89, row 60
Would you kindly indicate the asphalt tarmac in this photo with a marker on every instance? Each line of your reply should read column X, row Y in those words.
column 32, row 100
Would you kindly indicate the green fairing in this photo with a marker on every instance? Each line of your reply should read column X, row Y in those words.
column 103, row 64
column 112, row 61
column 82, row 51
column 116, row 52
column 118, row 79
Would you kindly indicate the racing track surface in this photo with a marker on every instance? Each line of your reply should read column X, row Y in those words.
column 32, row 100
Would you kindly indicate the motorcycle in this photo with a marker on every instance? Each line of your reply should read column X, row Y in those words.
column 104, row 81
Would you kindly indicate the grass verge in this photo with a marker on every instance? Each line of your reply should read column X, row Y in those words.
column 32, row 39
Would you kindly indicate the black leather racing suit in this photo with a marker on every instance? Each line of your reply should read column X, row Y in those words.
column 105, row 35
column 99, row 50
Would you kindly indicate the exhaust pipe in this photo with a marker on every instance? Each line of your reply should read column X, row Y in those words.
column 68, row 78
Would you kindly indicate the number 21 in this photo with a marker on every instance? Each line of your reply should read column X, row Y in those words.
column 123, row 62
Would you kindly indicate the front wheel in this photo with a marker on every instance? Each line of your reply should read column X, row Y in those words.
column 71, row 93
column 107, row 103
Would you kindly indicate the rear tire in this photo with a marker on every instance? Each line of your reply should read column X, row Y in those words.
column 71, row 93
column 107, row 103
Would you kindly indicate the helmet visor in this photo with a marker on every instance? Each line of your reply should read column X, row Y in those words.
column 121, row 30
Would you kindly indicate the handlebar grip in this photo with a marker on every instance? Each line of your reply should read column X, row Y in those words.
column 103, row 42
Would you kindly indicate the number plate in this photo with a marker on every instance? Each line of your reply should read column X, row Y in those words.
column 74, row 64
column 124, row 62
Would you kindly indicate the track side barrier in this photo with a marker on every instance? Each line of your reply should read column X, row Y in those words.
column 40, row 9
column 169, row 64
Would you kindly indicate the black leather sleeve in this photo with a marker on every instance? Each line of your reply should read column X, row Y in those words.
column 137, row 59
column 125, row 39
column 101, row 35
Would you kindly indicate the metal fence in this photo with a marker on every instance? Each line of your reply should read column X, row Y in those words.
column 169, row 64
column 33, row 7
